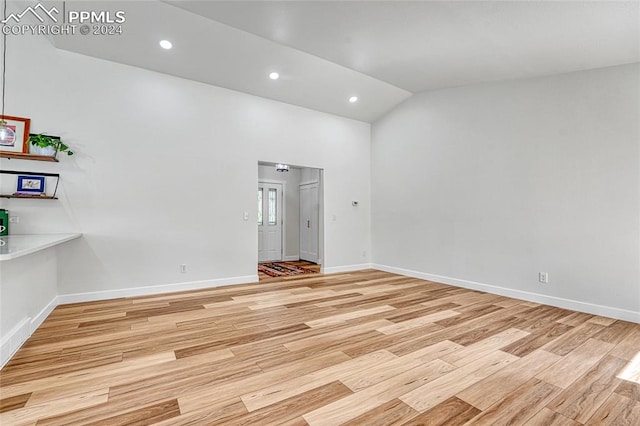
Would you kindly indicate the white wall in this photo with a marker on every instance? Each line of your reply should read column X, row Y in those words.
column 165, row 167
column 308, row 175
column 27, row 295
column 291, row 179
column 491, row 184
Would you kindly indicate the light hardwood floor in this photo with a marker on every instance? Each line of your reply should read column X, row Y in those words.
column 362, row 348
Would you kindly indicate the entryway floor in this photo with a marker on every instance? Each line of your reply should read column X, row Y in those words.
column 282, row 267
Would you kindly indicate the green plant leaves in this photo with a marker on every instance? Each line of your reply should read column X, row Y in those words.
column 41, row 140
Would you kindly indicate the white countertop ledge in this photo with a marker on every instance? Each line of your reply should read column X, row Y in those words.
column 21, row 245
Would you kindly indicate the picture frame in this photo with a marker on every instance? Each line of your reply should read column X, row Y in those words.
column 19, row 141
column 32, row 185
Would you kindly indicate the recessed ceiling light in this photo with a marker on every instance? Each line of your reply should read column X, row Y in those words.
column 353, row 99
column 166, row 44
column 274, row 76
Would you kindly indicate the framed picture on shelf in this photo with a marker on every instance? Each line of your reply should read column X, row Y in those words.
column 16, row 135
column 30, row 185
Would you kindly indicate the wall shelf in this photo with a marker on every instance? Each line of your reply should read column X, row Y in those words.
column 23, row 156
column 41, row 197
column 28, row 196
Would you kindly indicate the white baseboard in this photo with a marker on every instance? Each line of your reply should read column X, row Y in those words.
column 44, row 313
column 13, row 340
column 559, row 302
column 155, row 289
column 291, row 258
column 19, row 334
column 345, row 268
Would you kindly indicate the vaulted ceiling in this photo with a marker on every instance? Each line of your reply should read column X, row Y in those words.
column 380, row 51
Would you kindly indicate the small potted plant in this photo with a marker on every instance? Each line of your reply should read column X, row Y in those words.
column 42, row 144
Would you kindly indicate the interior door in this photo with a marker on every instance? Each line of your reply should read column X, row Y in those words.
column 269, row 222
column 309, row 216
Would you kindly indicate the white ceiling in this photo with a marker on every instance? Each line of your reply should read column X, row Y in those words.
column 381, row 51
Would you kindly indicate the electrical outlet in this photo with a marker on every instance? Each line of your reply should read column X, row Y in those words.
column 14, row 219
column 543, row 277
column 183, row 268
column 364, row 253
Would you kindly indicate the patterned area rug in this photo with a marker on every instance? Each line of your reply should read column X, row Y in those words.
column 283, row 269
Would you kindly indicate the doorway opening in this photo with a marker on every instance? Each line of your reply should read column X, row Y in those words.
column 290, row 220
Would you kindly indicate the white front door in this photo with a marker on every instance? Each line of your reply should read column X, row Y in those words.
column 269, row 222
column 309, row 217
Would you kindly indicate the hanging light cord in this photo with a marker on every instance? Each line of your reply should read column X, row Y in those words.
column 4, row 54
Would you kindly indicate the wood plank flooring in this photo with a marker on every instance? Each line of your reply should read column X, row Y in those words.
column 360, row 348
